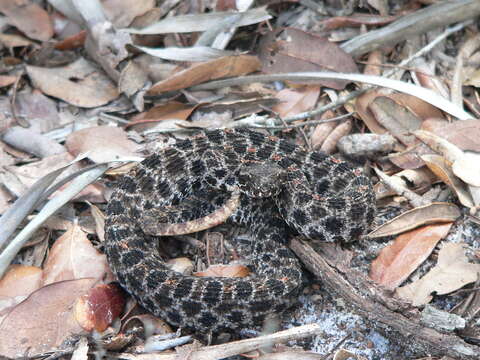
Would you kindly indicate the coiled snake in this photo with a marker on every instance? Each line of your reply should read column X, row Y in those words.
column 281, row 189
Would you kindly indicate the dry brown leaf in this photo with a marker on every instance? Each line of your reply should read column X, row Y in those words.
column 68, row 258
column 224, row 271
column 304, row 51
column 397, row 119
column 452, row 272
column 336, row 22
column 443, row 170
column 425, row 73
column 416, row 179
column 467, row 168
column 7, row 80
column 40, row 111
column 362, row 104
column 295, row 101
column 72, row 42
column 122, row 12
column 99, row 307
column 29, row 18
column 79, row 83
column 374, row 63
column 168, row 111
column 399, row 259
column 322, row 131
column 215, row 69
column 20, row 280
column 415, row 106
column 99, row 218
column 330, row 143
column 102, row 143
column 429, row 214
column 48, row 313
column 465, row 165
column 30, row 173
column 464, row 133
column 11, row 41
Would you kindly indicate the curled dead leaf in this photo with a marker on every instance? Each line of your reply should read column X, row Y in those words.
column 399, row 259
column 48, row 328
column 452, row 272
column 79, row 83
column 68, row 256
column 429, row 214
column 443, row 170
column 215, row 69
column 224, row 271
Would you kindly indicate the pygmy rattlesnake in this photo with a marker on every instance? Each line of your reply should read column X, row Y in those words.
column 282, row 187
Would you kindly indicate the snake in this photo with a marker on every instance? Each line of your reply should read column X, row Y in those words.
column 269, row 186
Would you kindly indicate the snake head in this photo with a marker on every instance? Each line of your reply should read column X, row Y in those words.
column 260, row 180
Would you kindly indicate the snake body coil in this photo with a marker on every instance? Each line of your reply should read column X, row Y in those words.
column 282, row 188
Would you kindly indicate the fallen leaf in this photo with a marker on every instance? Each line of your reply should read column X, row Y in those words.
column 452, row 272
column 122, row 12
column 397, row 119
column 99, row 307
column 72, row 42
column 20, row 280
column 440, row 167
column 200, row 22
column 30, row 173
column 467, row 168
column 170, row 110
column 464, row 134
column 418, row 180
column 417, row 108
column 192, row 54
column 322, row 131
column 11, row 41
column 224, row 271
column 429, row 214
column 465, row 165
column 330, row 143
column 99, row 218
column 40, row 111
column 29, row 18
column 227, row 66
column 68, row 256
column 48, row 313
column 102, row 143
column 358, row 19
column 399, row 259
column 7, row 80
column 79, row 83
column 295, row 101
column 302, row 51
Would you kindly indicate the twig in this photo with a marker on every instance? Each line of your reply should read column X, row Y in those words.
column 306, row 123
column 236, row 347
column 369, row 302
column 425, row 94
column 431, row 17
